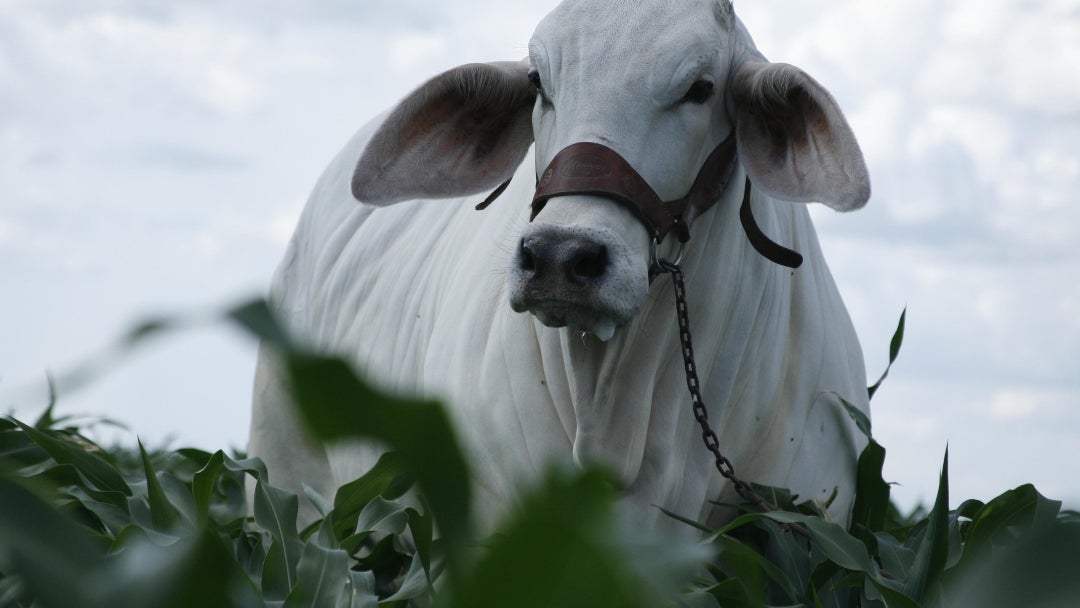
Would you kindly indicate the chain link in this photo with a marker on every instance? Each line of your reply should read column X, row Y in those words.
column 712, row 442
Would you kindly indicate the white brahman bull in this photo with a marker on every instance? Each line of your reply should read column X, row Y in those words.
column 546, row 337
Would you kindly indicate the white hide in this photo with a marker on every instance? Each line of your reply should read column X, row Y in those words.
column 416, row 294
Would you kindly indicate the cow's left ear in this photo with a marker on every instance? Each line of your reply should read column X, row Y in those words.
column 793, row 139
column 462, row 132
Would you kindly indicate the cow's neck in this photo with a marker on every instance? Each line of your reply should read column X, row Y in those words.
column 629, row 395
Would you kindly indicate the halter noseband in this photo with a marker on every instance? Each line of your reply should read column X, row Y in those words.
column 590, row 168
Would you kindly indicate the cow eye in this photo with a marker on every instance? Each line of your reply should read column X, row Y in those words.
column 534, row 78
column 699, row 92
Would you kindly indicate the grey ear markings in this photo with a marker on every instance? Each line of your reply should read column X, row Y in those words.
column 774, row 97
column 794, row 138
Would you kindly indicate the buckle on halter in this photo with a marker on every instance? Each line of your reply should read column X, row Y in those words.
column 659, row 265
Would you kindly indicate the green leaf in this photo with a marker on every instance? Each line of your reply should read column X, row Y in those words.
column 846, row 551
column 750, row 568
column 414, row 585
column 871, row 491
column 135, row 534
column 686, row 520
column 205, row 481
column 862, row 421
column 98, row 471
column 386, row 559
column 896, row 559
column 197, row 571
column 46, row 420
column 111, row 516
column 421, row 527
column 66, row 479
column 323, row 573
column 13, row 592
column 352, row 497
column 321, row 505
column 893, row 598
column 732, row 593
column 564, row 547
column 257, row 318
column 250, row 466
column 162, row 512
column 829, row 585
column 198, row 458
column 383, row 516
column 361, row 591
column 933, row 550
column 894, row 350
column 45, row 547
column 17, row 450
column 179, row 496
column 1019, row 508
column 148, row 328
column 250, row 552
column 699, row 598
column 276, row 511
column 833, row 540
column 788, row 551
column 202, row 485
column 337, row 405
column 1036, row 570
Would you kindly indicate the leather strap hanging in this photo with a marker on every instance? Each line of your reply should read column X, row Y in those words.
column 762, row 244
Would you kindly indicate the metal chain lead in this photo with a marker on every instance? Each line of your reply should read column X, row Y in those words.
column 712, row 442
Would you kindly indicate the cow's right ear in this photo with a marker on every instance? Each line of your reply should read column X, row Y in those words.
column 793, row 139
column 462, row 132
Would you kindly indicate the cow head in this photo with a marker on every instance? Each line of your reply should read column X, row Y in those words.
column 662, row 83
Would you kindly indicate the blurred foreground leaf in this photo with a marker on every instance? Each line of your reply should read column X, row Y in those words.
column 565, row 548
column 336, row 404
column 80, row 526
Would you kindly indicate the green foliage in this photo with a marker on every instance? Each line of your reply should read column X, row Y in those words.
column 894, row 350
column 83, row 526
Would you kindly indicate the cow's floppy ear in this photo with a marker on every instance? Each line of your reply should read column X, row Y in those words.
column 793, row 139
column 462, row 132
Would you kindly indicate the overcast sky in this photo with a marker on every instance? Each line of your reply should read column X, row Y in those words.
column 154, row 156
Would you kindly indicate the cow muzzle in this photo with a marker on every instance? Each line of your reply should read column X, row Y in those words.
column 571, row 275
column 578, row 274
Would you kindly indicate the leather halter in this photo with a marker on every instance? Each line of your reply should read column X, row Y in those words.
column 588, row 168
column 592, row 168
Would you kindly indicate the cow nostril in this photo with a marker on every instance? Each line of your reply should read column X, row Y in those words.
column 591, row 263
column 526, row 260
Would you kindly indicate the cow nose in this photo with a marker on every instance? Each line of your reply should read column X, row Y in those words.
column 579, row 260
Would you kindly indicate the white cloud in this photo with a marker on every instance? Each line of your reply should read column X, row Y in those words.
column 206, row 244
column 1020, row 54
column 1010, row 404
column 414, row 49
column 989, row 305
column 983, row 134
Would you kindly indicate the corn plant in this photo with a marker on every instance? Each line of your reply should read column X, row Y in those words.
column 91, row 527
